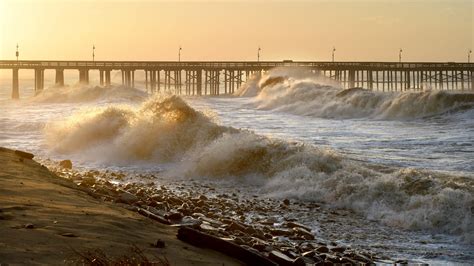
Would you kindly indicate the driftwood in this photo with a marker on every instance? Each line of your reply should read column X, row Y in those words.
column 153, row 216
column 204, row 240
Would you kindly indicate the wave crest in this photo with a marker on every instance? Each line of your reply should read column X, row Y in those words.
column 243, row 153
column 163, row 128
column 312, row 95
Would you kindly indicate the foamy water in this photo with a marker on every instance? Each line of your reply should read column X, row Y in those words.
column 404, row 160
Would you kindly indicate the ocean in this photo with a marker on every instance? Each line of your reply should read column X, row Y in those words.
column 401, row 164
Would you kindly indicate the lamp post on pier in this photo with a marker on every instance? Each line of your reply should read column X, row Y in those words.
column 333, row 52
column 469, row 56
column 93, row 53
column 179, row 53
column 17, row 52
column 258, row 54
column 400, row 55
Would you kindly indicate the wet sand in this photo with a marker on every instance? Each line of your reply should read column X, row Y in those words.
column 43, row 218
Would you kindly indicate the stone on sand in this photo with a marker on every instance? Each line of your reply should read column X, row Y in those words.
column 67, row 164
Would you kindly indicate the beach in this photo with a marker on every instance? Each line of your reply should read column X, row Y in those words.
column 49, row 219
column 46, row 220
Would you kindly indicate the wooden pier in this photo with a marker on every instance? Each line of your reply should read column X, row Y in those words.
column 225, row 77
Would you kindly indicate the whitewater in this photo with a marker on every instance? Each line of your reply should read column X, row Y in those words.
column 401, row 162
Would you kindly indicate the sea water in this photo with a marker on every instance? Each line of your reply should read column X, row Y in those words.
column 402, row 163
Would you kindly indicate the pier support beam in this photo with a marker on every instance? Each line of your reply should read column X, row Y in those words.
column 158, row 82
column 39, row 79
column 146, row 80
column 190, row 82
column 84, row 76
column 440, row 80
column 213, row 80
column 167, row 81
column 59, row 82
column 107, row 78
column 125, row 78
column 128, row 78
column 408, row 80
column 472, row 80
column 153, row 81
column 351, row 78
column 132, row 78
column 199, row 81
column 178, row 82
column 232, row 79
column 370, row 80
column 101, row 77
column 16, row 85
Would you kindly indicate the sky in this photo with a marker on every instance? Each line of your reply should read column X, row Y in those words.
column 360, row 30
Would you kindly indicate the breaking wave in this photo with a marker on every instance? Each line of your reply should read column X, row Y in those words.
column 165, row 129
column 162, row 129
column 80, row 93
column 307, row 94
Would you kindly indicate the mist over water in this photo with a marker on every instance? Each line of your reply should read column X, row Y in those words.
column 80, row 94
column 402, row 159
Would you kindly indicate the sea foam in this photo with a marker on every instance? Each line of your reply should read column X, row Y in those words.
column 304, row 93
column 166, row 130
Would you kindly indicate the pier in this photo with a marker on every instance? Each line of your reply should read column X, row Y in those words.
column 225, row 77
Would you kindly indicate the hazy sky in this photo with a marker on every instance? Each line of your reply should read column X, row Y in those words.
column 232, row 30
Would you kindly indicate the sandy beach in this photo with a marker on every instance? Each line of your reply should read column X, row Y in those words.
column 43, row 218
column 57, row 214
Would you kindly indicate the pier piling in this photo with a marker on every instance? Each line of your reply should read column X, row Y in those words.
column 59, row 81
column 39, row 79
column 84, row 76
column 15, row 84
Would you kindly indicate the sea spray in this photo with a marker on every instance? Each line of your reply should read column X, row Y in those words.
column 312, row 95
column 85, row 93
column 250, row 87
column 162, row 129
column 244, row 153
column 165, row 129
column 88, row 128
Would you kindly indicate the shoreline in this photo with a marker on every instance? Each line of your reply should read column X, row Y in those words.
column 239, row 214
column 45, row 219
column 274, row 229
column 250, row 223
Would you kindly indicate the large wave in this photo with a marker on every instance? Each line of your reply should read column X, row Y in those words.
column 162, row 129
column 305, row 93
column 165, row 129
